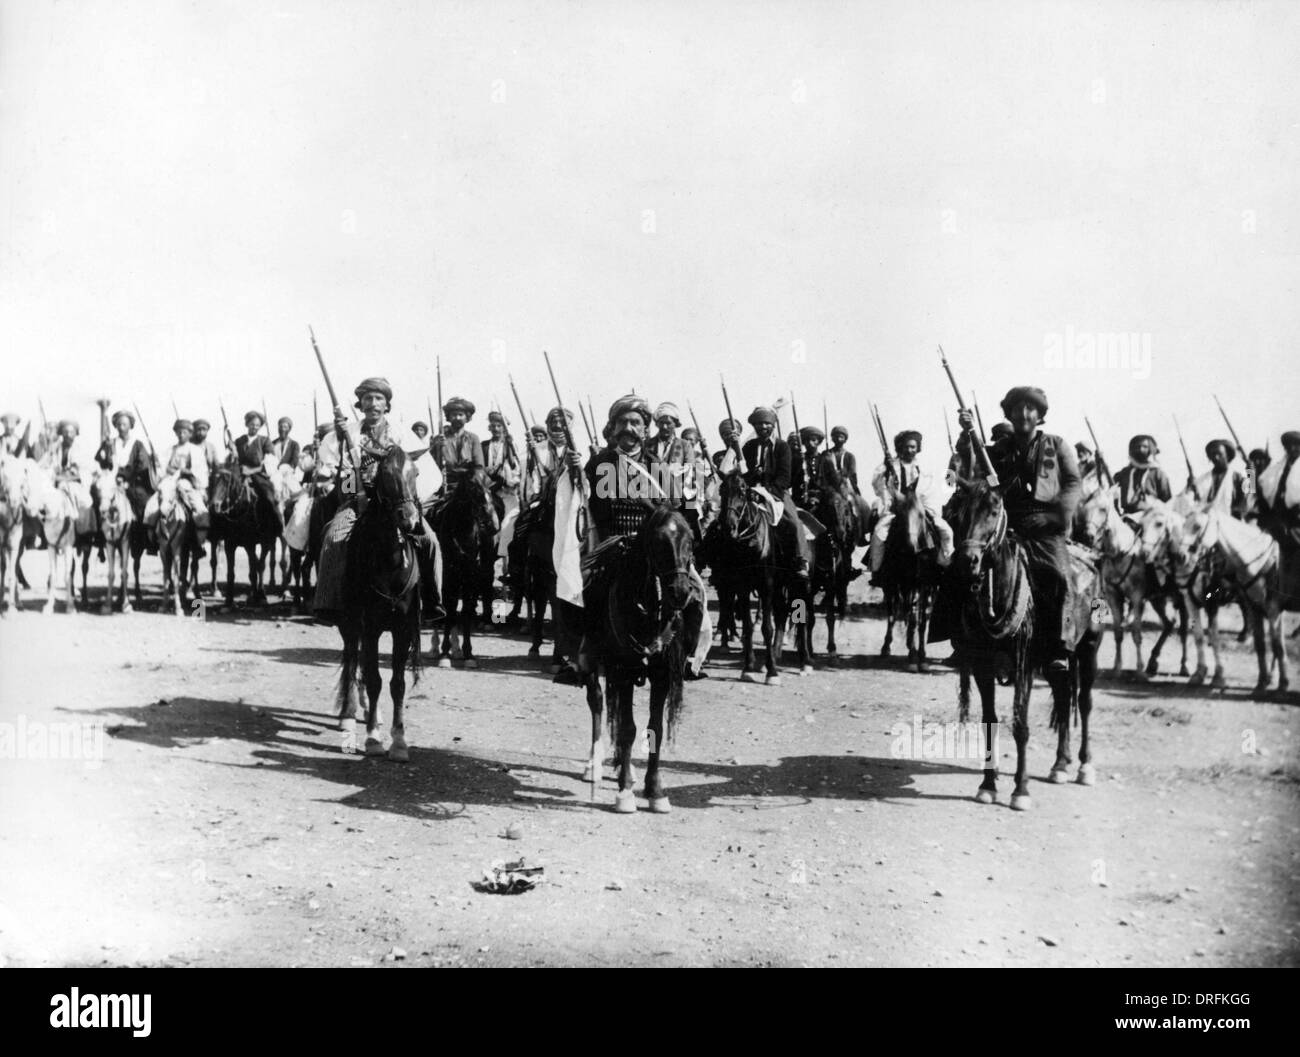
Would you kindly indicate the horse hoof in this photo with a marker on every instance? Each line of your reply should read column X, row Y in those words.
column 986, row 796
column 659, row 805
column 553, row 669
column 773, row 680
column 807, row 669
column 625, row 802
column 1139, row 676
column 1153, row 667
column 374, row 747
column 1182, row 670
column 749, row 677
column 1087, row 774
column 444, row 662
column 106, row 610
column 1198, row 679
column 590, row 774
column 1058, row 776
column 533, row 651
column 399, row 753
column 1021, row 802
column 1218, row 682
column 470, row 662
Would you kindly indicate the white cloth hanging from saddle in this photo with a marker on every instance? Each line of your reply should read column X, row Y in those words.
column 298, row 529
column 772, row 507
column 566, row 551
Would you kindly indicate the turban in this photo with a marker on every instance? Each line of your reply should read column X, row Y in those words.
column 1291, row 436
column 557, row 413
column 1001, row 429
column 69, row 422
column 839, row 429
column 1023, row 394
column 419, row 423
column 625, row 404
column 1132, row 444
column 126, row 415
column 1083, row 449
column 323, row 429
column 10, row 418
column 902, row 438
column 1228, row 448
column 730, row 424
column 1260, row 455
column 762, row 414
column 497, row 417
column 670, row 411
column 253, row 415
column 184, row 423
column 285, row 420
column 690, row 433
column 538, row 430
column 811, row 433
column 374, row 385
column 202, row 423
column 459, row 403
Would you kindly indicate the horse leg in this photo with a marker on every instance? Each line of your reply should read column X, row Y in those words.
column 1137, row 607
column 373, row 685
column 889, row 622
column 1087, row 675
column 346, row 698
column 107, row 607
column 401, row 633
column 231, row 547
column 596, row 760
column 1160, row 604
column 984, row 684
column 660, row 679
column 1198, row 637
column 923, row 600
column 748, row 666
column 1115, row 602
column 469, row 611
column 832, row 607
column 51, row 565
column 1023, row 681
column 1219, row 682
column 1180, row 605
column 771, row 643
column 625, row 799
column 1060, row 683
column 1256, row 614
column 1276, row 635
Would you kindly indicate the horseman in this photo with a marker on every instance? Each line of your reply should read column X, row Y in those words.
column 372, row 439
column 458, row 452
column 699, row 486
column 211, row 453
column 252, row 452
column 1142, row 478
column 131, row 463
column 806, row 471
column 1040, row 485
column 284, row 447
column 839, row 469
column 502, row 465
column 185, row 479
column 1224, row 487
column 845, row 463
column 1277, row 494
column 1090, row 470
column 768, row 458
column 64, row 465
column 9, row 438
column 907, row 477
column 667, row 446
column 728, row 457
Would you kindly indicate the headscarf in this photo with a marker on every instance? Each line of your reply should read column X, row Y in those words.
column 762, row 414
column 1030, row 394
column 902, row 438
column 374, row 385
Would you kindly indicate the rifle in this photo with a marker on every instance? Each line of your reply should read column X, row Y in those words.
column 727, row 403
column 947, row 428
column 315, row 417
column 153, row 452
column 265, row 421
column 579, row 480
column 591, row 437
column 103, row 403
column 1191, row 474
column 24, row 447
column 592, row 410
column 175, row 412
column 704, row 447
column 826, row 426
column 1235, row 439
column 45, row 422
column 979, row 419
column 225, row 426
column 528, row 440
column 884, row 444
column 803, row 454
column 438, row 432
column 338, row 413
column 429, row 407
column 1102, row 468
column 981, row 453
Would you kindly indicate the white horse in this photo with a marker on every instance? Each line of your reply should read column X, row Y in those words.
column 1217, row 549
column 116, row 519
column 67, row 521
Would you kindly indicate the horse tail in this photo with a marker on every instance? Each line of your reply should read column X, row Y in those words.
column 347, row 684
column 1069, row 706
column 676, row 659
column 413, row 650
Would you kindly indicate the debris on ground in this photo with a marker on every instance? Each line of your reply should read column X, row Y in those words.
column 509, row 878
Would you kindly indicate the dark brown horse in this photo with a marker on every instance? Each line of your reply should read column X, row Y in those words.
column 241, row 517
column 910, row 574
column 468, row 548
column 833, row 561
column 643, row 622
column 381, row 592
column 745, row 555
column 991, row 610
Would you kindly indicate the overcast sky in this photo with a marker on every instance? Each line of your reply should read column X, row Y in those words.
column 806, row 196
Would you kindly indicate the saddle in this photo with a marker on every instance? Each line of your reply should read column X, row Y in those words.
column 1083, row 608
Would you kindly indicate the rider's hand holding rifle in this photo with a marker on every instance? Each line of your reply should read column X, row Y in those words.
column 348, row 484
column 967, row 422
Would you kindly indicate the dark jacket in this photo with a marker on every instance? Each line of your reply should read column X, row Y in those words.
column 775, row 474
column 619, row 497
column 291, row 453
column 1137, row 483
column 1040, row 486
column 252, row 450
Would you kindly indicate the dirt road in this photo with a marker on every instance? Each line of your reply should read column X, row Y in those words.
column 217, row 822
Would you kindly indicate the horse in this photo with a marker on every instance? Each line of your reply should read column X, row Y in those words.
column 746, row 550
column 13, row 502
column 117, row 523
column 177, row 541
column 992, row 610
column 643, row 623
column 833, row 561
column 468, row 548
column 241, row 517
column 910, row 574
column 381, row 592
column 532, row 572
column 1221, row 559
column 67, row 529
column 1130, row 577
